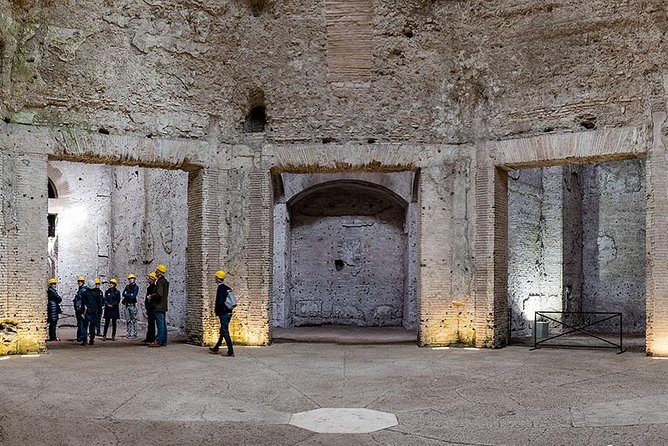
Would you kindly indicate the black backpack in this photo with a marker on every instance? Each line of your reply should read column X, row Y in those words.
column 78, row 303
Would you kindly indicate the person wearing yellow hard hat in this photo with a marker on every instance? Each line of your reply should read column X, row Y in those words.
column 159, row 300
column 130, row 303
column 78, row 305
column 92, row 300
column 225, row 303
column 97, row 292
column 149, row 310
column 112, row 299
column 53, row 301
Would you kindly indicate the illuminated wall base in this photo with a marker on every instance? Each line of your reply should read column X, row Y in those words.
column 447, row 333
column 242, row 334
column 16, row 340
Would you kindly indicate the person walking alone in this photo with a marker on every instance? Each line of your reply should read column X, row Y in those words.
column 53, row 309
column 130, row 303
column 149, row 308
column 224, row 313
column 112, row 298
column 159, row 300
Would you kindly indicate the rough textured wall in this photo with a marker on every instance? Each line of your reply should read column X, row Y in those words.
column 83, row 227
column 23, row 241
column 614, row 241
column 348, row 258
column 121, row 220
column 535, row 245
column 189, row 68
column 150, row 227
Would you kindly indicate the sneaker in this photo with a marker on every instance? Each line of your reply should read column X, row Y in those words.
column 213, row 351
column 230, row 353
column 82, row 343
column 113, row 339
column 153, row 344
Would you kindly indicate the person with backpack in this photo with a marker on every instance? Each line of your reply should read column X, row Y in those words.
column 130, row 303
column 53, row 309
column 77, row 302
column 112, row 299
column 225, row 303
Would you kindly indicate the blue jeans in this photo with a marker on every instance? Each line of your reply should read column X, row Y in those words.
column 161, row 322
column 225, row 333
column 81, row 328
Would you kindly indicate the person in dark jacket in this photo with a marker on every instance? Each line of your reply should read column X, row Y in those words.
column 53, row 309
column 159, row 300
column 224, row 315
column 98, row 324
column 130, row 303
column 78, row 309
column 112, row 298
column 150, row 313
column 92, row 301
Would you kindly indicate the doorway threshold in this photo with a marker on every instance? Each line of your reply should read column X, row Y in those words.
column 344, row 334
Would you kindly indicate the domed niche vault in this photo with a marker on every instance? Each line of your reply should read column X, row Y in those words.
column 342, row 252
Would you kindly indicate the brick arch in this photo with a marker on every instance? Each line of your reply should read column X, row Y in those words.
column 59, row 182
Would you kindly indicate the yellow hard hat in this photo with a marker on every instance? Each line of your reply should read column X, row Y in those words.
column 114, row 281
column 220, row 274
column 52, row 281
column 97, row 281
column 81, row 279
column 131, row 276
column 162, row 268
column 152, row 275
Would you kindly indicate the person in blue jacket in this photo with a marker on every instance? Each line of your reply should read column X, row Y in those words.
column 92, row 302
column 130, row 303
column 53, row 309
column 112, row 298
column 77, row 302
column 224, row 315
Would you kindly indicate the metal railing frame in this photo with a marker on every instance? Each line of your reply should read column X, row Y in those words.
column 580, row 328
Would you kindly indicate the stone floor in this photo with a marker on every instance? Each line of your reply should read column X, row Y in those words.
column 123, row 393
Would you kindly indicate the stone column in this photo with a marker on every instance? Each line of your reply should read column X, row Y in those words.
column 437, row 319
column 23, row 250
column 490, row 253
column 657, row 242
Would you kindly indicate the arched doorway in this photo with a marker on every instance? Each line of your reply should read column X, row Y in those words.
column 343, row 252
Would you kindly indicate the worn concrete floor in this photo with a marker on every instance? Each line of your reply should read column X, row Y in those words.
column 125, row 394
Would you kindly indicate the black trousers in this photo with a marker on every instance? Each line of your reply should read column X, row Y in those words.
column 52, row 330
column 150, row 329
column 113, row 327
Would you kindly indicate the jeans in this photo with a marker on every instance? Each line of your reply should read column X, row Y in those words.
column 225, row 333
column 91, row 330
column 81, row 328
column 52, row 330
column 131, row 319
column 150, row 329
column 161, row 322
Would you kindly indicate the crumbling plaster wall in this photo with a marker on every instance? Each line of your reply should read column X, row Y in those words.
column 597, row 224
column 613, row 223
column 120, row 220
column 535, row 245
column 186, row 69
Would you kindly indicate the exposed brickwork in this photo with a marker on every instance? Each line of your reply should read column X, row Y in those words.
column 349, row 41
column 657, row 244
column 23, row 265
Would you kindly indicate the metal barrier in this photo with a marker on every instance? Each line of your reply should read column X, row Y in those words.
column 576, row 328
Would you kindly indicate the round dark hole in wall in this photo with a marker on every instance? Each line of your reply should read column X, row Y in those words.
column 338, row 264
